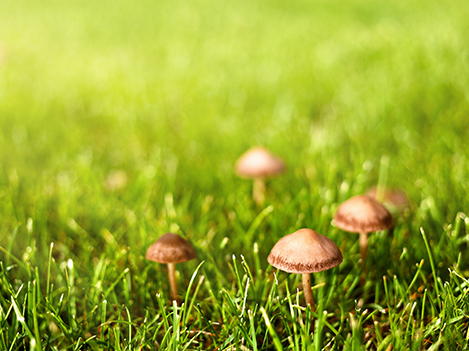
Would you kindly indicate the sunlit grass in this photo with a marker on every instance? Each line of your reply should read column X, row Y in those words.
column 122, row 121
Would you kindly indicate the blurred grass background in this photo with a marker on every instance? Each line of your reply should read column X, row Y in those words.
column 169, row 93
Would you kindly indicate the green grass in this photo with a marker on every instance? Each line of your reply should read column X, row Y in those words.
column 165, row 95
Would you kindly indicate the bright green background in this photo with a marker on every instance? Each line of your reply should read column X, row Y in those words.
column 172, row 92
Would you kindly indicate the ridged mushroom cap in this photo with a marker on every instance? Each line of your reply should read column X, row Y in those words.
column 305, row 251
column 362, row 214
column 258, row 162
column 170, row 248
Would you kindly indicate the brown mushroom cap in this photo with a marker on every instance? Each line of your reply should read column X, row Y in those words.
column 305, row 251
column 394, row 197
column 170, row 248
column 258, row 162
column 362, row 214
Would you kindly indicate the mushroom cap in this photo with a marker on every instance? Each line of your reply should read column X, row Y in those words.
column 362, row 214
column 305, row 251
column 393, row 197
column 258, row 162
column 171, row 248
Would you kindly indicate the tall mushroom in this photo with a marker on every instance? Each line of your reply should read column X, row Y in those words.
column 170, row 248
column 304, row 252
column 258, row 163
column 362, row 214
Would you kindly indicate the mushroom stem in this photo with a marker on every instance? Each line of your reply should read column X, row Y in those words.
column 363, row 246
column 307, row 291
column 258, row 190
column 172, row 281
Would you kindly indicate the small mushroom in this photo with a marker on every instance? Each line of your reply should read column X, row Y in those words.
column 394, row 200
column 258, row 163
column 171, row 249
column 362, row 214
column 304, row 252
column 116, row 180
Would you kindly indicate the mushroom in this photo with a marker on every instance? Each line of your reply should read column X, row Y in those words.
column 170, row 248
column 304, row 252
column 394, row 199
column 258, row 163
column 362, row 214
column 116, row 180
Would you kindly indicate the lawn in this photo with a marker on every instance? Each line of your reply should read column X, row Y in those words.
column 121, row 121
